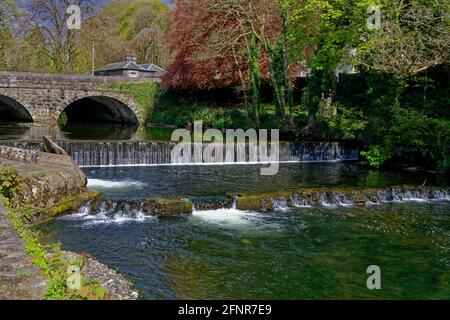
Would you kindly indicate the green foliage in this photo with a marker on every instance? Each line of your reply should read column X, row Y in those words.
column 62, row 120
column 413, row 37
column 131, row 22
column 144, row 95
column 172, row 108
column 341, row 123
column 49, row 263
column 279, row 77
column 50, row 259
column 377, row 155
column 313, row 97
column 9, row 182
column 413, row 130
column 328, row 28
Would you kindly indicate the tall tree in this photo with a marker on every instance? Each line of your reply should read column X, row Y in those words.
column 322, row 34
column 231, row 42
column 51, row 16
column 413, row 37
column 145, row 24
column 8, row 13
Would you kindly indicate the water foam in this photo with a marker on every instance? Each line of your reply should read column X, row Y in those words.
column 108, row 215
column 110, row 184
column 230, row 217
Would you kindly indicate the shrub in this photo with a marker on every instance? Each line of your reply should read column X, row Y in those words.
column 377, row 155
column 9, row 182
column 345, row 124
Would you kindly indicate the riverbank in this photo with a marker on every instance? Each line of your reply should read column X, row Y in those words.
column 40, row 186
column 46, row 184
column 20, row 279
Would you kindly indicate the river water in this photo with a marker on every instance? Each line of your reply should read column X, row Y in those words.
column 305, row 253
column 318, row 252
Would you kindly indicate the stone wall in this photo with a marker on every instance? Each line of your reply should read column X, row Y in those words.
column 45, row 96
column 51, row 184
column 22, row 155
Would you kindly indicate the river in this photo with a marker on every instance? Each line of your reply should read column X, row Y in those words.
column 319, row 252
column 307, row 252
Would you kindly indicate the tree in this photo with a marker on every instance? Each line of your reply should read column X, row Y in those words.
column 322, row 34
column 413, row 37
column 145, row 24
column 51, row 16
column 230, row 43
column 29, row 53
column 8, row 12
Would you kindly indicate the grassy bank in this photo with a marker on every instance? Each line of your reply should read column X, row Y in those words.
column 53, row 262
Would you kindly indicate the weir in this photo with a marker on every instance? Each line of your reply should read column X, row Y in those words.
column 124, row 153
column 122, row 210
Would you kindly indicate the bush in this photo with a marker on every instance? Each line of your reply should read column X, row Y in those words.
column 345, row 124
column 377, row 155
column 9, row 182
column 413, row 130
column 173, row 109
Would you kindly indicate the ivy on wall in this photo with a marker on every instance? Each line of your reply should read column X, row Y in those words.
column 144, row 95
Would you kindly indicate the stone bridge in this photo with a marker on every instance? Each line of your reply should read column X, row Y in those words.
column 33, row 97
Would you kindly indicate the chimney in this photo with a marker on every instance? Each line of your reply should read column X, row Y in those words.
column 131, row 57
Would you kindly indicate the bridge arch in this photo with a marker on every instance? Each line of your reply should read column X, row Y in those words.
column 100, row 109
column 12, row 110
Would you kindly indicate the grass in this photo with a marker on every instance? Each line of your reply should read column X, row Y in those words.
column 50, row 259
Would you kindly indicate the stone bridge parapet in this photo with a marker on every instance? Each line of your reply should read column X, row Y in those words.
column 43, row 97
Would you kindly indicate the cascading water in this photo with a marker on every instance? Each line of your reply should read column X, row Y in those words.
column 119, row 153
column 119, row 211
column 352, row 198
column 109, row 211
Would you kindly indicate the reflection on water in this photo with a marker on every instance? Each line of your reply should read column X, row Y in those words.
column 81, row 131
column 309, row 253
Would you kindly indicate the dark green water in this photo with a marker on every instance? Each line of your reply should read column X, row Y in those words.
column 314, row 253
column 185, row 181
column 305, row 253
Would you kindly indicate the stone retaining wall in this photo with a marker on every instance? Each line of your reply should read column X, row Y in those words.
column 50, row 184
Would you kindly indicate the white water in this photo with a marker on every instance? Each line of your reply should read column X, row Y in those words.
column 134, row 153
column 246, row 221
column 109, row 184
column 108, row 215
column 226, row 217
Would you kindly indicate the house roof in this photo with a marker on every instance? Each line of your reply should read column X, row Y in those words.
column 149, row 70
column 158, row 71
column 124, row 65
